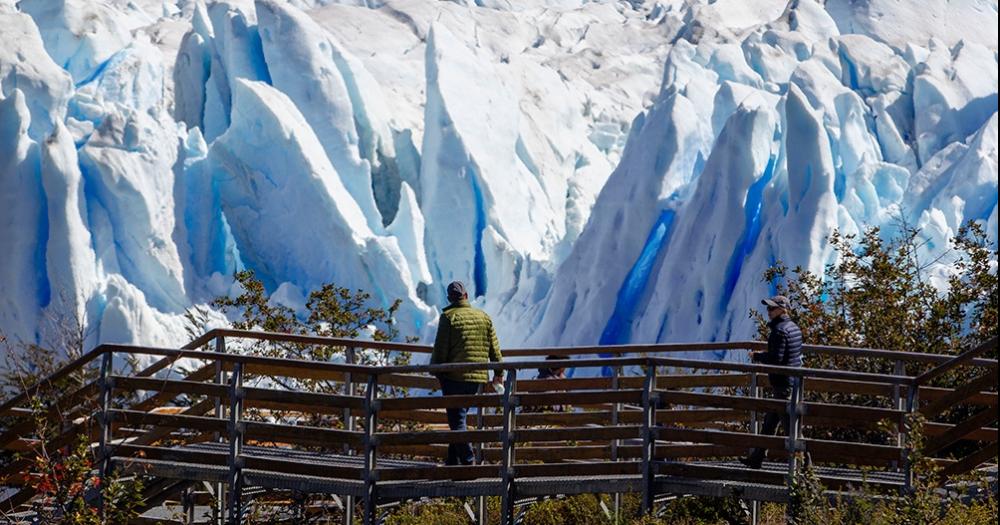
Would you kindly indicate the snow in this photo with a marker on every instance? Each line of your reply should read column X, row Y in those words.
column 957, row 185
column 302, row 64
column 79, row 35
column 274, row 178
column 953, row 95
column 901, row 22
column 22, row 276
column 408, row 229
column 596, row 172
column 71, row 265
column 25, row 66
column 470, row 155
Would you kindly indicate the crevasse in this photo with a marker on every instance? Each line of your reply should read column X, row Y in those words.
column 752, row 228
column 617, row 329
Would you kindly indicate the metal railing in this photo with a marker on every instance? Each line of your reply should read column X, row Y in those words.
column 630, row 441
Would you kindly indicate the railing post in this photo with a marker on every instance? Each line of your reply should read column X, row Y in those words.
column 219, row 506
column 794, row 427
column 754, row 429
column 481, row 500
column 615, row 409
column 104, row 447
column 648, row 438
column 187, row 505
column 507, row 443
column 912, row 404
column 350, row 358
column 236, row 445
column 370, row 476
column 898, row 403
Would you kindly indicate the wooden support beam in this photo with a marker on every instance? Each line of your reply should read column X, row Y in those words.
column 429, row 402
column 648, row 434
column 236, row 436
column 105, row 385
column 590, row 469
column 675, row 397
column 301, row 434
column 507, row 443
column 960, row 431
column 370, row 475
column 539, row 435
column 970, row 462
column 136, row 418
column 960, row 395
column 599, row 397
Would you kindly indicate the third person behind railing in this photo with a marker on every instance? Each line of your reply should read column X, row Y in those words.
column 464, row 335
column 784, row 348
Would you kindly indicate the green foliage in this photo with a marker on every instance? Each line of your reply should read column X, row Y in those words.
column 330, row 311
column 69, row 492
column 61, row 461
column 584, row 509
column 442, row 512
column 926, row 503
column 27, row 364
column 806, row 502
column 877, row 294
column 705, row 510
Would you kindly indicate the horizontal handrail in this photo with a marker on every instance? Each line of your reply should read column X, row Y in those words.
column 583, row 350
column 86, row 359
column 959, row 395
column 240, row 358
column 945, row 362
column 54, row 377
column 306, row 340
column 368, row 370
column 781, row 370
column 963, row 358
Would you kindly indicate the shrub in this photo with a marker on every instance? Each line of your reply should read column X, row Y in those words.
column 449, row 512
column 878, row 294
column 67, row 487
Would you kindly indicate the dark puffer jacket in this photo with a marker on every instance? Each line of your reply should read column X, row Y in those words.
column 466, row 335
column 784, row 348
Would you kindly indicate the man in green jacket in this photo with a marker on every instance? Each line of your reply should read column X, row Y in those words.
column 465, row 335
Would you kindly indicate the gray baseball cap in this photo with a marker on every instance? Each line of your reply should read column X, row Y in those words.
column 456, row 291
column 778, row 301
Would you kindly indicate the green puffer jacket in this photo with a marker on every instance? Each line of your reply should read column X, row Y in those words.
column 465, row 335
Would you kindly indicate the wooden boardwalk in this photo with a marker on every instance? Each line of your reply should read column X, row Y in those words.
column 659, row 425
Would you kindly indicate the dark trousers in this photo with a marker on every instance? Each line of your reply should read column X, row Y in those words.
column 781, row 391
column 458, row 453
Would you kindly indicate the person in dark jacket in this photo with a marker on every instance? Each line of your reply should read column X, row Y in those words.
column 550, row 373
column 464, row 335
column 784, row 348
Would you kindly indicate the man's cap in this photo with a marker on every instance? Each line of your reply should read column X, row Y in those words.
column 778, row 301
column 456, row 290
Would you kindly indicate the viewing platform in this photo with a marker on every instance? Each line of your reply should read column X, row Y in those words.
column 201, row 422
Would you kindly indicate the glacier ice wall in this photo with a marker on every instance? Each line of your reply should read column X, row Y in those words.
column 856, row 131
column 597, row 172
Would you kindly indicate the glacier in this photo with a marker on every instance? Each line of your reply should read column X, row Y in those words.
column 595, row 171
